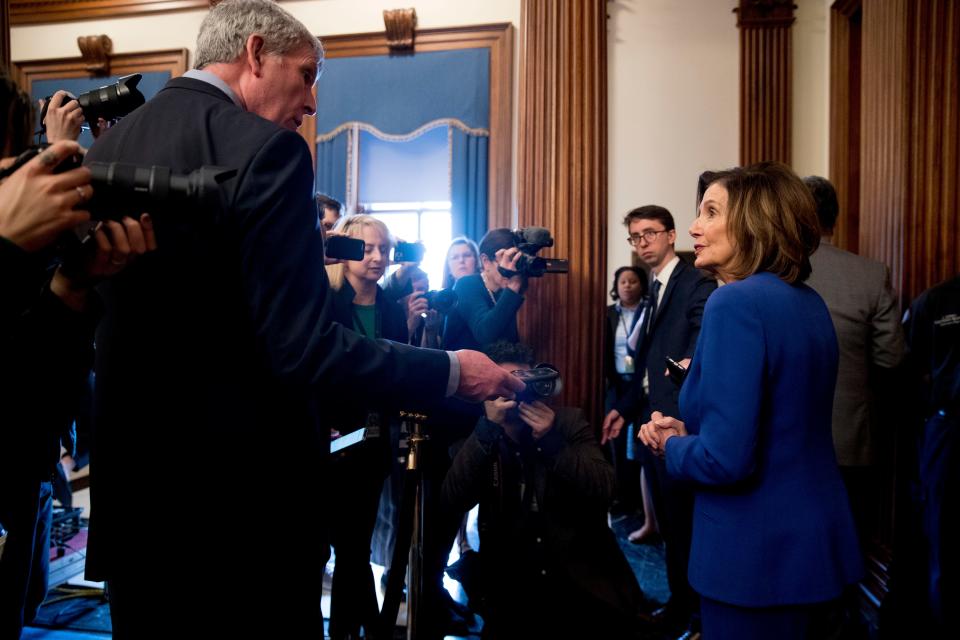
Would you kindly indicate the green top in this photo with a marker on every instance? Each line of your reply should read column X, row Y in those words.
column 365, row 319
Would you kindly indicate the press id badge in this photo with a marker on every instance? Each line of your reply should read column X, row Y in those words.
column 628, row 365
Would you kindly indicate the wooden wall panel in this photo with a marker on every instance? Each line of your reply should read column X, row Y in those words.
column 765, row 80
column 562, row 185
column 931, row 230
column 910, row 140
column 883, row 186
column 4, row 34
column 845, row 106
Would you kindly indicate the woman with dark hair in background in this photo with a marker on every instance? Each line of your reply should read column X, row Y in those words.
column 488, row 302
column 630, row 291
column 774, row 545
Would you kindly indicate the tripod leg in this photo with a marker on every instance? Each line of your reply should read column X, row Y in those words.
column 415, row 583
column 401, row 552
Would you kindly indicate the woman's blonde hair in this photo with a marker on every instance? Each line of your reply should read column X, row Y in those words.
column 353, row 227
column 771, row 221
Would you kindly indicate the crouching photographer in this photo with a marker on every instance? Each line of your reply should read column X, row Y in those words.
column 550, row 566
column 49, row 311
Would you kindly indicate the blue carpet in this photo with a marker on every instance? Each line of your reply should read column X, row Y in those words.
column 89, row 618
column 33, row 633
column 647, row 560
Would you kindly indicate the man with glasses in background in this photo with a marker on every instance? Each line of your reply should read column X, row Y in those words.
column 670, row 327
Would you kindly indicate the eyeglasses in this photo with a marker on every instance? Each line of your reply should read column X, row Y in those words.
column 646, row 236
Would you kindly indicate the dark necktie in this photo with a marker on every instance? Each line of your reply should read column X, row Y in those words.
column 652, row 311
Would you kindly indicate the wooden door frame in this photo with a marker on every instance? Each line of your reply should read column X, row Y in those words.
column 498, row 38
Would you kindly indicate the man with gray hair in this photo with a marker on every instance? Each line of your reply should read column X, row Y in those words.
column 214, row 352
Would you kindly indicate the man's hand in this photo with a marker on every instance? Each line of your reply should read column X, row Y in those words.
column 612, row 426
column 538, row 416
column 36, row 205
column 64, row 117
column 481, row 379
column 496, row 410
column 117, row 245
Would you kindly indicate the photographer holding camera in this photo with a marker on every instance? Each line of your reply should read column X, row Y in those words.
column 47, row 318
column 489, row 301
column 550, row 565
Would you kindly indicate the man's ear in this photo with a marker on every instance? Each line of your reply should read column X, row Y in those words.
column 253, row 53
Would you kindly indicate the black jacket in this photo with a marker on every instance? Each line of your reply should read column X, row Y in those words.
column 477, row 321
column 676, row 327
column 47, row 352
column 210, row 357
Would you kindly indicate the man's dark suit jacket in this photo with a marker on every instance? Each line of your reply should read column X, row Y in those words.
column 676, row 326
column 209, row 445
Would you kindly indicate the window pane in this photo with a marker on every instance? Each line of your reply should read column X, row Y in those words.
column 402, row 225
column 435, row 230
column 412, row 170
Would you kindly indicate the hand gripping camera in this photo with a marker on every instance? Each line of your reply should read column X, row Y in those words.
column 542, row 381
column 110, row 102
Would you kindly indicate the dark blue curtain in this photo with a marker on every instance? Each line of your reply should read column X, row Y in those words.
column 400, row 94
column 332, row 166
column 397, row 95
column 469, row 184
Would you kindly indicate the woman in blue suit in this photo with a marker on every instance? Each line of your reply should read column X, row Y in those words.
column 774, row 544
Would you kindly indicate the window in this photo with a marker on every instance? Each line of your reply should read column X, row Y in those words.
column 406, row 183
column 426, row 222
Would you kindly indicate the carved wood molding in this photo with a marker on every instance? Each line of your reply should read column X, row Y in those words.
column 400, row 26
column 562, row 185
column 847, row 8
column 96, row 51
column 765, row 80
column 498, row 38
column 172, row 60
column 44, row 11
column 765, row 13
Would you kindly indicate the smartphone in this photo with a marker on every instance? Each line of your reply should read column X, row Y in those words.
column 348, row 440
column 677, row 371
column 344, row 248
column 408, row 252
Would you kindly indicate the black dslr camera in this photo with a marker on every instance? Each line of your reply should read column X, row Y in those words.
column 542, row 381
column 110, row 102
column 121, row 189
column 443, row 300
column 531, row 240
